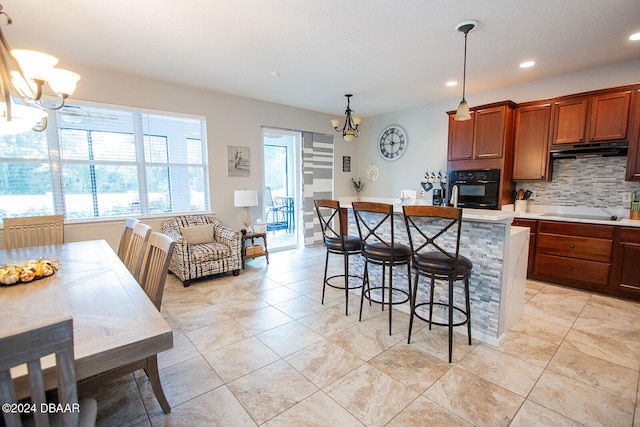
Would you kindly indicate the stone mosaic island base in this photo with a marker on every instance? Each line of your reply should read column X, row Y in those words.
column 499, row 254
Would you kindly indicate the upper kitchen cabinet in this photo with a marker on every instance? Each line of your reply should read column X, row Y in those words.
column 633, row 158
column 531, row 142
column 594, row 118
column 460, row 138
column 485, row 136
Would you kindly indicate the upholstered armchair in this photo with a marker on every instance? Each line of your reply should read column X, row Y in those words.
column 204, row 246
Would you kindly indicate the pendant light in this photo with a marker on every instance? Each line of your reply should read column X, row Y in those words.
column 351, row 123
column 463, row 108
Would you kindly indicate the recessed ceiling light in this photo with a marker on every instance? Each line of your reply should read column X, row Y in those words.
column 527, row 64
column 634, row 37
column 452, row 83
column 274, row 74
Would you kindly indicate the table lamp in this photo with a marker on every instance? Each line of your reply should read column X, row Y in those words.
column 244, row 199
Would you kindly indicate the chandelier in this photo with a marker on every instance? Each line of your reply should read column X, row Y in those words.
column 351, row 123
column 462, row 112
column 22, row 75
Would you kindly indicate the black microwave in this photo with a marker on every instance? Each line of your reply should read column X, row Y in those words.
column 478, row 189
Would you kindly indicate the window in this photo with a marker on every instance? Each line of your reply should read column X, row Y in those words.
column 95, row 162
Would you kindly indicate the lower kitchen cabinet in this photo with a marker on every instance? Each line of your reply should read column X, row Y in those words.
column 627, row 279
column 574, row 254
column 593, row 257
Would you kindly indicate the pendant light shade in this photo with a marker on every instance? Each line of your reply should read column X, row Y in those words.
column 462, row 112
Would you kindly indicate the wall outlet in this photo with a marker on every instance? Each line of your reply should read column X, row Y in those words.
column 626, row 197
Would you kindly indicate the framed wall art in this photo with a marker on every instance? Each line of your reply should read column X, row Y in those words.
column 346, row 163
column 238, row 161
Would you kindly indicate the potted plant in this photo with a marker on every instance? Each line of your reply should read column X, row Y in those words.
column 358, row 186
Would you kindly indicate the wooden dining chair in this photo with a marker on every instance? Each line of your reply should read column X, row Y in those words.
column 155, row 266
column 135, row 253
column 125, row 239
column 28, row 346
column 153, row 274
column 30, row 231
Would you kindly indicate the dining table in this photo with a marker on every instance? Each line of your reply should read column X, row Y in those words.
column 114, row 322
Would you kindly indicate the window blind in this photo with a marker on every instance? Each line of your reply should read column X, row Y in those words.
column 100, row 162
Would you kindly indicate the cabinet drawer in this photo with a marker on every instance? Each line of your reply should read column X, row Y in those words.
column 577, row 229
column 630, row 234
column 591, row 272
column 586, row 248
column 531, row 223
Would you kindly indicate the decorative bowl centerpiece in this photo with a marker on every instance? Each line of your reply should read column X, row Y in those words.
column 27, row 271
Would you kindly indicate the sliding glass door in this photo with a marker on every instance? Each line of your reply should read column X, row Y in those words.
column 282, row 187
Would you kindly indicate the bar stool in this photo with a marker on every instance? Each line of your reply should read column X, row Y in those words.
column 337, row 241
column 438, row 260
column 375, row 226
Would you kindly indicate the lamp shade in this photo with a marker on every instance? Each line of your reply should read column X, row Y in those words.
column 244, row 198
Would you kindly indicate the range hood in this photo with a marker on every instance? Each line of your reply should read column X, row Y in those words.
column 600, row 149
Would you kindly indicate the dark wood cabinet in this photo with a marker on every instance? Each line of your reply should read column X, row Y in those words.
column 531, row 224
column 586, row 119
column 490, row 132
column 627, row 279
column 531, row 142
column 574, row 254
column 485, row 142
column 460, row 138
column 570, row 118
column 633, row 157
column 482, row 137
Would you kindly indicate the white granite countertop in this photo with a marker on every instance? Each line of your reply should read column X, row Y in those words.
column 476, row 215
column 580, row 215
column 550, row 213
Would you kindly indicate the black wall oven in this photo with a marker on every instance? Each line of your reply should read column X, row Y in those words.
column 479, row 189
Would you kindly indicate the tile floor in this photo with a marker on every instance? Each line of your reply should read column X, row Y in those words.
column 260, row 349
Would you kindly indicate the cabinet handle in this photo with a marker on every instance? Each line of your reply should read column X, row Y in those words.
column 572, row 246
column 580, row 139
column 570, row 268
column 593, row 138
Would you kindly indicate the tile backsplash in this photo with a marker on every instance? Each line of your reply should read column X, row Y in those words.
column 596, row 182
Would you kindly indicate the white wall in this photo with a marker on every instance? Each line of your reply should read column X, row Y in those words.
column 427, row 126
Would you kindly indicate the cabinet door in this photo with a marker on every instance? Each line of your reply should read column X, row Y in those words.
column 531, row 150
column 633, row 158
column 629, row 274
column 570, row 117
column 609, row 116
column 490, row 133
column 460, row 139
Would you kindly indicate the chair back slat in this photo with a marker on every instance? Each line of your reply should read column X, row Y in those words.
column 29, row 346
column 26, row 232
column 155, row 266
column 135, row 253
column 125, row 239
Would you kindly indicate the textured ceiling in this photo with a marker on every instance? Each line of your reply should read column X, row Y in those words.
column 391, row 54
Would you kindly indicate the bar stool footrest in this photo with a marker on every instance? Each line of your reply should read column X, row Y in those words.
column 441, row 304
column 341, row 286
column 395, row 291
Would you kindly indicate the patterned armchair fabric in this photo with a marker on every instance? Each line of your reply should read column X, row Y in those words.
column 191, row 261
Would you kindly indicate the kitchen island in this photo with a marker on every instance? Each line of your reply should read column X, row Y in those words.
column 499, row 253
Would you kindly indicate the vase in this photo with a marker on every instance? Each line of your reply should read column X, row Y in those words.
column 357, row 197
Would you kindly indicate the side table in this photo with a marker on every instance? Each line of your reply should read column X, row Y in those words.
column 248, row 251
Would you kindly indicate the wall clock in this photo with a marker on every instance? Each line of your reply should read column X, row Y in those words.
column 392, row 142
